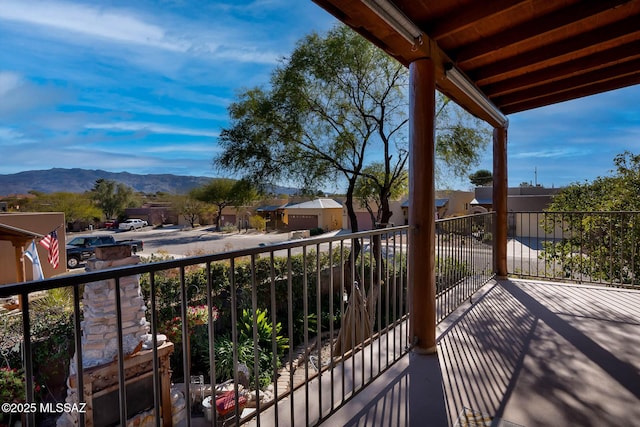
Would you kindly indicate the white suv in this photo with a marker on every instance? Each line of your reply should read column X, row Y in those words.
column 132, row 224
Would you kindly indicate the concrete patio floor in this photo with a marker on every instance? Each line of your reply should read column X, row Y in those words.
column 524, row 353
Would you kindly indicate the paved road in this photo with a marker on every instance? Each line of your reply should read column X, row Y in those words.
column 179, row 242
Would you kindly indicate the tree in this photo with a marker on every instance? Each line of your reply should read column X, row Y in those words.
column 258, row 222
column 112, row 197
column 334, row 105
column 460, row 139
column 223, row 192
column 328, row 105
column 373, row 191
column 481, row 178
column 76, row 207
column 189, row 207
column 601, row 238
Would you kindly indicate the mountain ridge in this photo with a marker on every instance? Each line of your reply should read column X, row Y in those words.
column 78, row 180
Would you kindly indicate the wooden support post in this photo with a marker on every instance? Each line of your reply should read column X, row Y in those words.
column 20, row 266
column 422, row 279
column 500, row 191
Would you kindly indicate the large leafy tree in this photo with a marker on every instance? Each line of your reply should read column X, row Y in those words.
column 112, row 197
column 223, row 192
column 331, row 103
column 334, row 106
column 189, row 207
column 601, row 232
column 460, row 140
column 76, row 207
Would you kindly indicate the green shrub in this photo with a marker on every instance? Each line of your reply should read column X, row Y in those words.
column 229, row 228
column 316, row 231
column 12, row 385
column 449, row 271
column 264, row 329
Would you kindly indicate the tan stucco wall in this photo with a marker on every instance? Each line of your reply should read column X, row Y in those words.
column 458, row 201
column 529, row 225
column 328, row 218
column 331, row 219
column 397, row 215
column 37, row 222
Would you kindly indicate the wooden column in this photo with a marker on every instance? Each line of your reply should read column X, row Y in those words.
column 20, row 266
column 500, row 190
column 422, row 279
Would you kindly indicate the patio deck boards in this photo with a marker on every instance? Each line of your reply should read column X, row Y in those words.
column 524, row 353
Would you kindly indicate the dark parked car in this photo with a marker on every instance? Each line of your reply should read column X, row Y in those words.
column 81, row 248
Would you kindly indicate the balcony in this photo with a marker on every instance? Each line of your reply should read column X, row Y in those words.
column 510, row 352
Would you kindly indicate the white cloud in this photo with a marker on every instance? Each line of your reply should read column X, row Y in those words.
column 18, row 95
column 11, row 136
column 8, row 82
column 89, row 21
column 184, row 148
column 552, row 153
column 150, row 127
column 122, row 26
column 20, row 158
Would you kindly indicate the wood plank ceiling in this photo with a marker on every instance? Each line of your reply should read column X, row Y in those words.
column 522, row 54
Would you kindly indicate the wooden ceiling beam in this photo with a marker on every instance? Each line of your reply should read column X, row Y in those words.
column 542, row 101
column 579, row 81
column 587, row 63
column 565, row 17
column 590, row 41
column 460, row 20
column 529, row 61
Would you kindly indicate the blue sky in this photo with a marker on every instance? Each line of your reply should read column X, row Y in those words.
column 143, row 87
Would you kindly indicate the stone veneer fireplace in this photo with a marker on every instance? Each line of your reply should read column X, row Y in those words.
column 100, row 351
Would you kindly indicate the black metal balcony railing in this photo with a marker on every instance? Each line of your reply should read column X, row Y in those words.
column 588, row 247
column 320, row 318
column 464, row 259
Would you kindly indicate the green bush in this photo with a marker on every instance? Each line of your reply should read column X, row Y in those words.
column 264, row 328
column 449, row 271
column 316, row 231
column 289, row 304
column 229, row 228
column 247, row 348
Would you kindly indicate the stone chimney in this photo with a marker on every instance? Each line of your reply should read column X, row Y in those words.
column 99, row 327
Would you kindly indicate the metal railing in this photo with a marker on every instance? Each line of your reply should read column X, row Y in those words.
column 279, row 313
column 313, row 321
column 464, row 259
column 587, row 247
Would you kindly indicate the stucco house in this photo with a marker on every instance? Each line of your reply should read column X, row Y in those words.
column 319, row 213
column 273, row 213
column 154, row 213
column 519, row 199
column 17, row 230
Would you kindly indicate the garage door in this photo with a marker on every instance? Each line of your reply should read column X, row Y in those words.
column 302, row 222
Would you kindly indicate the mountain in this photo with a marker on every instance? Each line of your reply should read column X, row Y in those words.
column 80, row 180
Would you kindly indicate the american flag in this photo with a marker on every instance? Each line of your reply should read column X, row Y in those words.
column 50, row 242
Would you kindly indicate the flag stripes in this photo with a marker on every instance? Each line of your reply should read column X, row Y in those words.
column 50, row 243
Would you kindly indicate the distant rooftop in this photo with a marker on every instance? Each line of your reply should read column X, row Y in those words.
column 317, row 204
